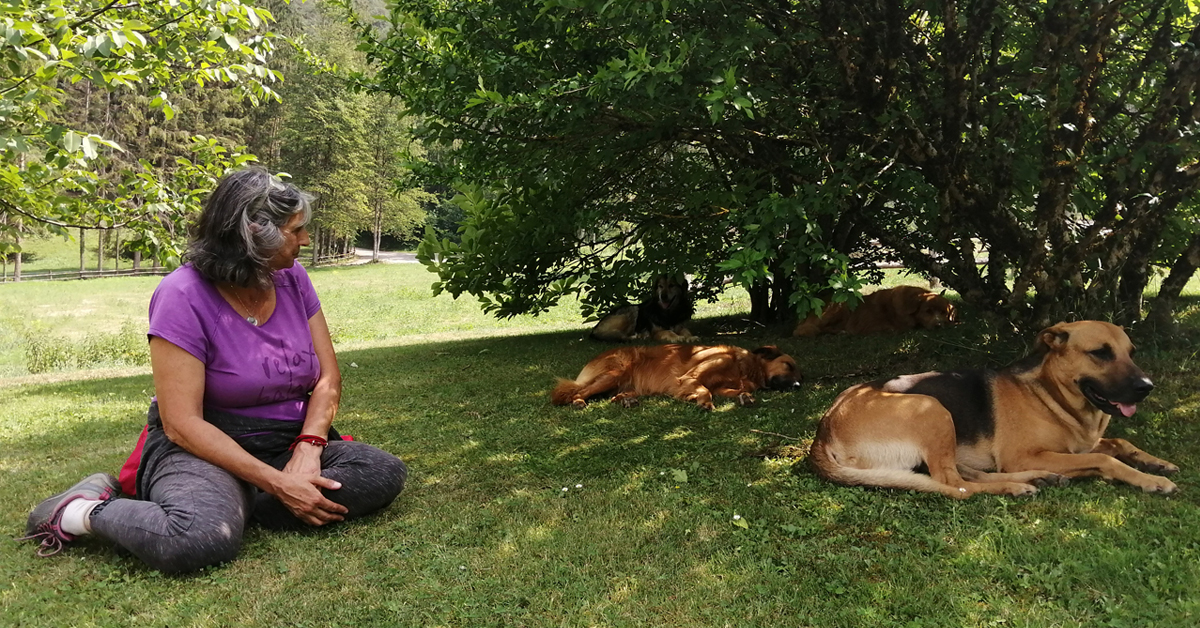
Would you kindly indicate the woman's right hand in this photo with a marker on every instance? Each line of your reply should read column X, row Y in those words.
column 301, row 495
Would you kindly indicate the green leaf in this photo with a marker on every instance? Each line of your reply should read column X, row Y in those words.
column 89, row 147
column 71, row 141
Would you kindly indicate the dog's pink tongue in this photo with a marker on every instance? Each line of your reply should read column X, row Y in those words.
column 1126, row 409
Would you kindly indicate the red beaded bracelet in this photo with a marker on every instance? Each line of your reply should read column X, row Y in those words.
column 310, row 439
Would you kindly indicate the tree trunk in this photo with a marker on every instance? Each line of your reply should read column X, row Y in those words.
column 117, row 250
column 4, row 256
column 1134, row 276
column 17, row 259
column 137, row 260
column 100, row 249
column 375, row 248
column 1162, row 307
column 82, row 252
column 760, row 301
column 316, row 246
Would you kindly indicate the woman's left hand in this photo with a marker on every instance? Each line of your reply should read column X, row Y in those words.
column 306, row 460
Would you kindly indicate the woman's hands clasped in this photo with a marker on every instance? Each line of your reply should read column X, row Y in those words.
column 298, row 488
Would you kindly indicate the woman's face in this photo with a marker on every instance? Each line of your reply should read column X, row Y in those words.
column 295, row 235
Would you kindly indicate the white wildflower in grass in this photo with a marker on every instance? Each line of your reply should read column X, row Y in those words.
column 564, row 489
column 736, row 517
column 578, row 486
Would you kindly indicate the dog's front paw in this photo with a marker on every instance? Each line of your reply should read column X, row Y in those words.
column 1051, row 479
column 579, row 404
column 626, row 401
column 1023, row 490
column 1158, row 466
column 746, row 400
column 707, row 406
column 1157, row 484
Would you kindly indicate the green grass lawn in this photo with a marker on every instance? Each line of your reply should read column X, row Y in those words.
column 644, row 533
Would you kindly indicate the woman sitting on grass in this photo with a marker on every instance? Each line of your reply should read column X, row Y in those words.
column 247, row 387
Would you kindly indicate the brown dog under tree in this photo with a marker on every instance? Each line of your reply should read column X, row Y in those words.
column 685, row 372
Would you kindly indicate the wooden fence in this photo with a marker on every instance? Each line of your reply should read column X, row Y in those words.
column 67, row 275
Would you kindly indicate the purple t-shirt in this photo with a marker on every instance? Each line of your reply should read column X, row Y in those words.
column 266, row 371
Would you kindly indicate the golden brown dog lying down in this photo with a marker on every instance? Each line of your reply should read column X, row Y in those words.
column 889, row 310
column 1037, row 422
column 685, row 372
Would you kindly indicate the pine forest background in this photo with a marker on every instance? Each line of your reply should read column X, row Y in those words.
column 346, row 146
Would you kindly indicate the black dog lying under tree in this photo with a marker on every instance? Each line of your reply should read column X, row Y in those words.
column 660, row 317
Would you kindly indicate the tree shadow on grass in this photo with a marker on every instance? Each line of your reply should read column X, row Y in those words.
column 645, row 531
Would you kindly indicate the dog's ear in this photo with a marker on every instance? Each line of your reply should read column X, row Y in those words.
column 681, row 279
column 1051, row 339
column 769, row 352
column 910, row 307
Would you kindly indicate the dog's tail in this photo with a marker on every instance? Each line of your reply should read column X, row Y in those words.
column 564, row 393
column 829, row 467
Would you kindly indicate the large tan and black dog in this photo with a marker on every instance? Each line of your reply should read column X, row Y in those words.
column 888, row 310
column 661, row 316
column 1037, row 422
column 685, row 372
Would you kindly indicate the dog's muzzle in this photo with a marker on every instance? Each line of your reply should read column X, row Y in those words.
column 1117, row 403
column 782, row 383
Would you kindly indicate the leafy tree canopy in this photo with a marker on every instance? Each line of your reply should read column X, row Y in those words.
column 791, row 145
column 49, row 168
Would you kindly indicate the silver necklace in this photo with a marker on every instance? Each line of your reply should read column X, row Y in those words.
column 253, row 320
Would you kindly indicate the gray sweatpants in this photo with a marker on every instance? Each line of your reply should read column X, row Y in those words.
column 193, row 513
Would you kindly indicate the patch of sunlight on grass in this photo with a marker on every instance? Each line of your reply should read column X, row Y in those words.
column 748, row 440
column 509, row 457
column 982, row 548
column 635, row 484
column 581, row 447
column 702, row 573
column 542, row 532
column 1110, row 514
column 822, row 507
column 777, row 464
column 1072, row 534
column 636, row 440
column 657, row 520
column 505, row 550
column 677, row 433
column 430, row 479
column 624, row 589
column 1187, row 407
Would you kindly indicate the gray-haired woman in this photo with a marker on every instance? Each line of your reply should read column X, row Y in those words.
column 247, row 387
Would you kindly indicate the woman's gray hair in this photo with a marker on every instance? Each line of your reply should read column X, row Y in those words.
column 239, row 230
